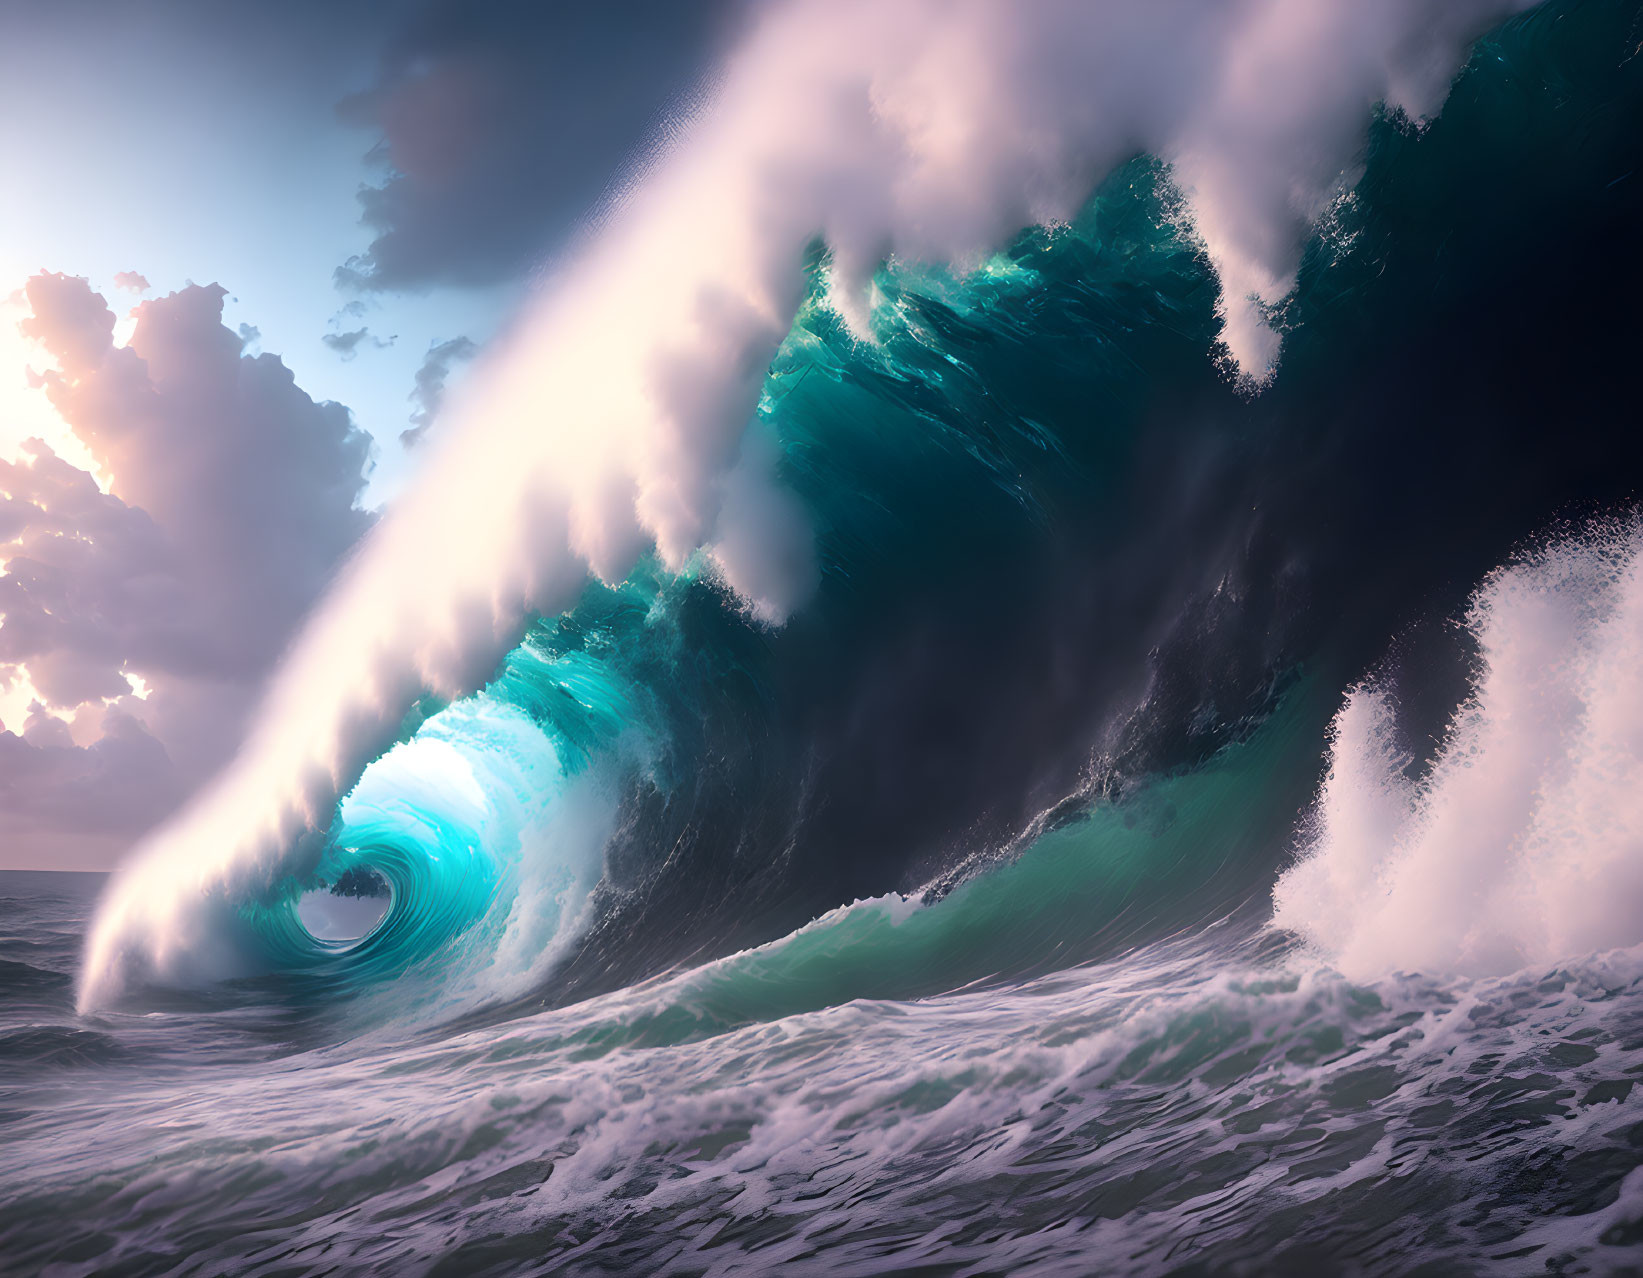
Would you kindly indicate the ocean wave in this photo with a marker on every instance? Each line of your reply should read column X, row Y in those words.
column 1063, row 564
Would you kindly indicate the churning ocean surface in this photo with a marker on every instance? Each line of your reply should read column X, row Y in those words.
column 1018, row 906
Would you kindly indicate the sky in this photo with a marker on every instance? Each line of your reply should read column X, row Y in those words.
column 244, row 250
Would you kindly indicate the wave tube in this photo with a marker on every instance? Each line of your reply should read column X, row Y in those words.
column 488, row 837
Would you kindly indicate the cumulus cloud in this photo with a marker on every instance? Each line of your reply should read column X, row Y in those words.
column 430, row 385
column 613, row 419
column 230, row 498
column 502, row 123
column 68, row 807
column 131, row 281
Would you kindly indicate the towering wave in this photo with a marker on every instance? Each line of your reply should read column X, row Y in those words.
column 615, row 420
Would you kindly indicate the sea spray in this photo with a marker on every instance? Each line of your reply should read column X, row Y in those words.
column 1522, row 842
column 1082, row 614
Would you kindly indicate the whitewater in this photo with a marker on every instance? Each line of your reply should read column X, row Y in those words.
column 1027, row 663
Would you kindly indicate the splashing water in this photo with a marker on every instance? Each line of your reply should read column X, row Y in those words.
column 1522, row 844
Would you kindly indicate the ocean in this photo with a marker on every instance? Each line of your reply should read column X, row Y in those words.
column 1189, row 828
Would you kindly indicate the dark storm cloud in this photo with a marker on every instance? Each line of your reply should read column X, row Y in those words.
column 430, row 385
column 502, row 123
column 231, row 500
column 349, row 344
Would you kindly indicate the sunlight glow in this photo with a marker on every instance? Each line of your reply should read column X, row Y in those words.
column 25, row 412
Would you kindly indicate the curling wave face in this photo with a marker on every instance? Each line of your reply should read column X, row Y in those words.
column 488, row 839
